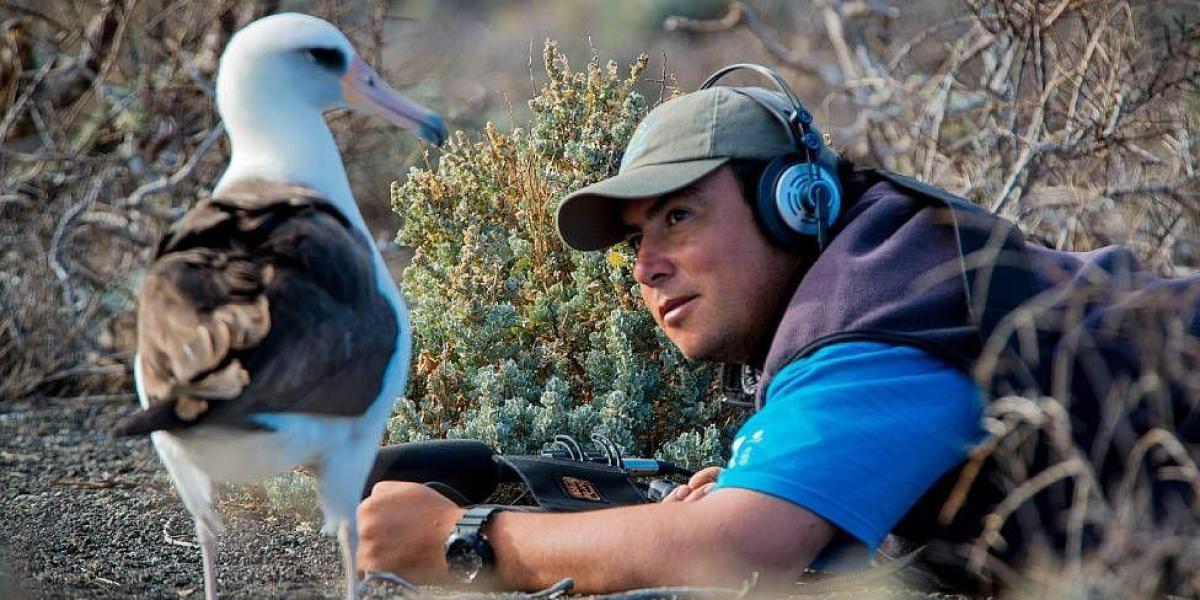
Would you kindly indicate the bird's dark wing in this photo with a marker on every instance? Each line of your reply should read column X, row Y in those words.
column 260, row 300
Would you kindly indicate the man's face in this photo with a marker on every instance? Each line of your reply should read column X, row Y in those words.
column 708, row 275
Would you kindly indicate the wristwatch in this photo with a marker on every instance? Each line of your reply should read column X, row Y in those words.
column 469, row 556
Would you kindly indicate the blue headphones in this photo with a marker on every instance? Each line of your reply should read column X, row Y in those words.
column 799, row 195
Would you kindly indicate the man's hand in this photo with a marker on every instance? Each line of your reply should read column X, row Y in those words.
column 696, row 488
column 402, row 528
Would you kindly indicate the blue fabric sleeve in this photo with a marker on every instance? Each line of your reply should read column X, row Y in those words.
column 856, row 433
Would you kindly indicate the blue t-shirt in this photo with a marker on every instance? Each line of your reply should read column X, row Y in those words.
column 856, row 433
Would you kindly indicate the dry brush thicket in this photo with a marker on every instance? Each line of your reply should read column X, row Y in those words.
column 1078, row 119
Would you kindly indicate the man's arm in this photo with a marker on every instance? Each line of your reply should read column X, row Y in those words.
column 718, row 540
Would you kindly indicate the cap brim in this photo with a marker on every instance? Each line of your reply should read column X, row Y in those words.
column 588, row 219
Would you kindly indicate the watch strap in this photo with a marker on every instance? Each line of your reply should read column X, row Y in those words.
column 475, row 518
column 469, row 530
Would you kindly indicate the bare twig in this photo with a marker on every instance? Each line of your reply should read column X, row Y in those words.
column 906, row 49
column 1159, row 438
column 164, row 184
column 95, row 485
column 1067, row 469
column 69, row 373
column 742, row 15
column 1034, row 147
column 37, row 14
column 14, row 112
column 63, row 277
column 175, row 541
column 836, row 34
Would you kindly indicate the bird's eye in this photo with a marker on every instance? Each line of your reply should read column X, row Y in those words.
column 330, row 58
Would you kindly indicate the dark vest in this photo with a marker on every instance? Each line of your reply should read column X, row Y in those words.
column 912, row 265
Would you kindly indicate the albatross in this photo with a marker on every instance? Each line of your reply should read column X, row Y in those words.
column 270, row 334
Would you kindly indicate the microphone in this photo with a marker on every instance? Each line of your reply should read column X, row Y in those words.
column 634, row 467
column 464, row 466
column 649, row 467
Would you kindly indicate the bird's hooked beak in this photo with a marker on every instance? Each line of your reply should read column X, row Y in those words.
column 366, row 91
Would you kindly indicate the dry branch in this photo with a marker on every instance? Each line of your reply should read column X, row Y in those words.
column 741, row 15
column 167, row 183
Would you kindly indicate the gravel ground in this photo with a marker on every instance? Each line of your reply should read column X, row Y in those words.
column 85, row 516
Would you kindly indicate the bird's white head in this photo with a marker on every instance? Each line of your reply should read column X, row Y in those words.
column 295, row 62
column 277, row 77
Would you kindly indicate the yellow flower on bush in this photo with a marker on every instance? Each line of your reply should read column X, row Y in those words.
column 615, row 258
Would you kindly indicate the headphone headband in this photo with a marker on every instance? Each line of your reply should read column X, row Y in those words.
column 798, row 123
column 761, row 70
column 799, row 194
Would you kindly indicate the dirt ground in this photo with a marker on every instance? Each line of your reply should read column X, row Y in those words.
column 85, row 516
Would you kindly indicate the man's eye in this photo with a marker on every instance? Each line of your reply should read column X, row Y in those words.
column 676, row 215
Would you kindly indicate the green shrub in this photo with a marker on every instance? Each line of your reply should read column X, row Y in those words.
column 293, row 493
column 517, row 338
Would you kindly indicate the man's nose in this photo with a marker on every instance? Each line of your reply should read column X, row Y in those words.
column 652, row 266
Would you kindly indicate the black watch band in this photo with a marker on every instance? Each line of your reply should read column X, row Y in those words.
column 469, row 556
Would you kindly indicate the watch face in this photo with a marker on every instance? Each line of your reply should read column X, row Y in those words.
column 462, row 559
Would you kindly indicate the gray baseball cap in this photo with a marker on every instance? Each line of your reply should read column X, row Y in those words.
column 676, row 145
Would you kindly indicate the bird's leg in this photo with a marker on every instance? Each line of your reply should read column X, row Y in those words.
column 348, row 540
column 340, row 519
column 196, row 491
column 208, row 554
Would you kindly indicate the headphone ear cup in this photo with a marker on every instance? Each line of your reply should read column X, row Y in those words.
column 788, row 192
column 766, row 205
